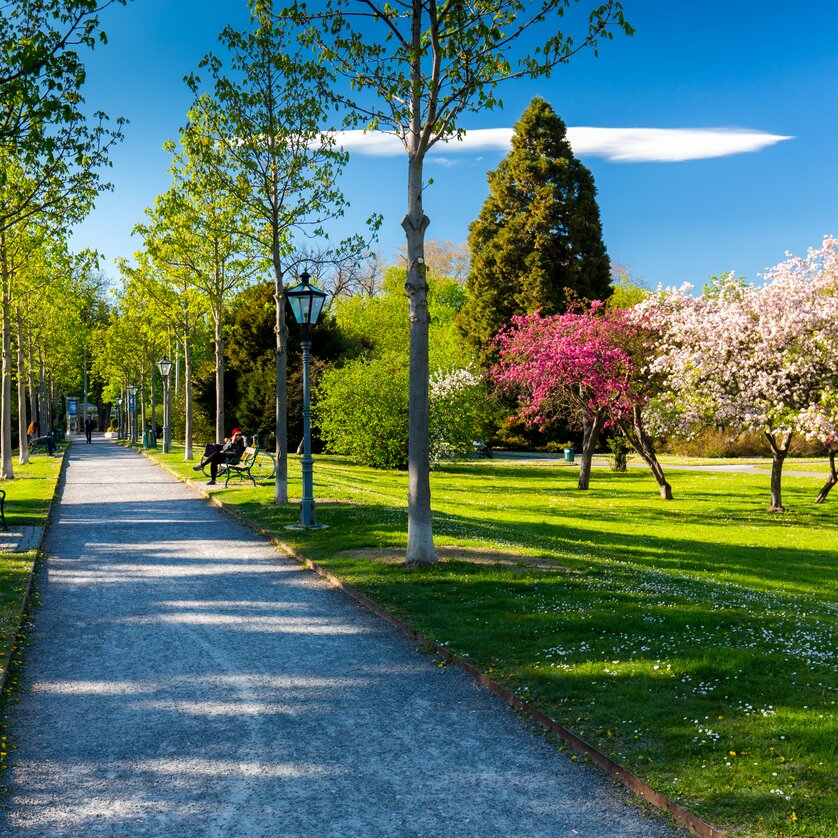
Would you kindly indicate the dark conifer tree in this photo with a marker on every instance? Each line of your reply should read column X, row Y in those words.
column 537, row 242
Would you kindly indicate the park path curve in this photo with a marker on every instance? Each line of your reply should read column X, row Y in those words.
column 184, row 679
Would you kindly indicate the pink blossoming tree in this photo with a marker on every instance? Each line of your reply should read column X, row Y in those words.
column 587, row 367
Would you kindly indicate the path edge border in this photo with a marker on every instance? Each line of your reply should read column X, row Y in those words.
column 38, row 548
column 628, row 779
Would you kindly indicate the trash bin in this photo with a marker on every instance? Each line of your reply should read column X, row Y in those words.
column 569, row 454
column 149, row 439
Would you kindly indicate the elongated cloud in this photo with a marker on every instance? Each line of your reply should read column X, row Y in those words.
column 620, row 145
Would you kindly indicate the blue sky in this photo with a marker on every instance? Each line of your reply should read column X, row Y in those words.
column 761, row 67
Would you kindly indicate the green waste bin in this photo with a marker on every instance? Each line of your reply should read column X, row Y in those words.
column 149, row 439
column 569, row 454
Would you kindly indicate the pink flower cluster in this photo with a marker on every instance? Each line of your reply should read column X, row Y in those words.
column 574, row 365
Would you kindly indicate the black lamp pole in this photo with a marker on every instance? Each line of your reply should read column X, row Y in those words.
column 306, row 303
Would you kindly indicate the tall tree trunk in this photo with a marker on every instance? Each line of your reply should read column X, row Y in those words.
column 34, row 411
column 143, row 419
column 22, row 422
column 635, row 432
column 780, row 445
column 219, row 376
column 43, row 412
column 153, row 394
column 420, row 539
column 281, row 403
column 6, row 468
column 591, row 429
column 187, row 392
column 831, row 480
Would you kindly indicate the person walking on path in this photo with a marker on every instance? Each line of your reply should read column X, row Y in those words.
column 185, row 679
column 88, row 428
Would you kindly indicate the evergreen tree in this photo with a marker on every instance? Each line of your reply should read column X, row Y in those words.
column 537, row 243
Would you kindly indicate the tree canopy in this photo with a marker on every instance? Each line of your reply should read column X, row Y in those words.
column 537, row 243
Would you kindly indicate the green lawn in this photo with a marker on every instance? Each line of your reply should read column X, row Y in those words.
column 27, row 501
column 694, row 641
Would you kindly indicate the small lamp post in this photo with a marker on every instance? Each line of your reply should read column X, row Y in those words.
column 132, row 404
column 306, row 303
column 165, row 367
column 118, row 401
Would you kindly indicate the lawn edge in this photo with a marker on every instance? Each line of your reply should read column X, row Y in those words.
column 628, row 779
column 24, row 604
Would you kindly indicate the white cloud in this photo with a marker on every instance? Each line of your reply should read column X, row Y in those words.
column 620, row 145
column 634, row 145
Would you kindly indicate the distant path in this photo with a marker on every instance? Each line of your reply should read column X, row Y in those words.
column 602, row 462
column 185, row 680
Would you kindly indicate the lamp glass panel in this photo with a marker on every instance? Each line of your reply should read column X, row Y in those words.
column 165, row 366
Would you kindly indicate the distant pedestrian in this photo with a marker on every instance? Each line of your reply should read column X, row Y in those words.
column 34, row 429
column 88, row 428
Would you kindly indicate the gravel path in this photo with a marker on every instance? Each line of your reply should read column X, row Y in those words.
column 186, row 680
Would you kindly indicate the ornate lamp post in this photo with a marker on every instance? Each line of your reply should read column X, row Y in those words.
column 132, row 406
column 306, row 303
column 165, row 367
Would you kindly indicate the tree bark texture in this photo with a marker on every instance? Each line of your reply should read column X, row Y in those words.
column 44, row 413
column 22, row 423
column 6, row 468
column 635, row 432
column 780, row 444
column 591, row 429
column 281, row 428
column 420, row 542
column 831, row 480
column 152, row 393
column 187, row 393
column 219, row 376
column 34, row 410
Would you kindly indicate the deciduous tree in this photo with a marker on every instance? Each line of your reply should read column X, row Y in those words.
column 414, row 69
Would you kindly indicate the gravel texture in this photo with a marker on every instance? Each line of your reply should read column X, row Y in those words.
column 184, row 679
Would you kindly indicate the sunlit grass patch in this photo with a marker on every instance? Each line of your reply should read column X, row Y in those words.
column 695, row 641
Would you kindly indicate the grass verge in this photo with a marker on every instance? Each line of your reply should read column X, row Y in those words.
column 28, row 499
column 695, row 642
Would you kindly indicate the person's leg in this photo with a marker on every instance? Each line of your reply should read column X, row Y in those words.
column 214, row 460
column 209, row 449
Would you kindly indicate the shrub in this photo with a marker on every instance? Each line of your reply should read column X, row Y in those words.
column 361, row 410
column 459, row 414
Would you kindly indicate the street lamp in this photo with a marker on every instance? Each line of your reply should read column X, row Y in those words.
column 306, row 303
column 118, row 401
column 165, row 367
column 132, row 402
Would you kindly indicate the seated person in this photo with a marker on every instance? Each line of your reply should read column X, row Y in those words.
column 47, row 441
column 215, row 453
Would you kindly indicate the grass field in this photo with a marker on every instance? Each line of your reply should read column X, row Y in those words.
column 693, row 641
column 27, row 501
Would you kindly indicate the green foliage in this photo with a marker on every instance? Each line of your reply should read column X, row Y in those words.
column 537, row 243
column 625, row 290
column 460, row 413
column 377, row 331
column 361, row 410
column 620, row 449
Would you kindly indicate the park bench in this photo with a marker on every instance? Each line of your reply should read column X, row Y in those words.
column 3, row 508
column 240, row 468
column 35, row 447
